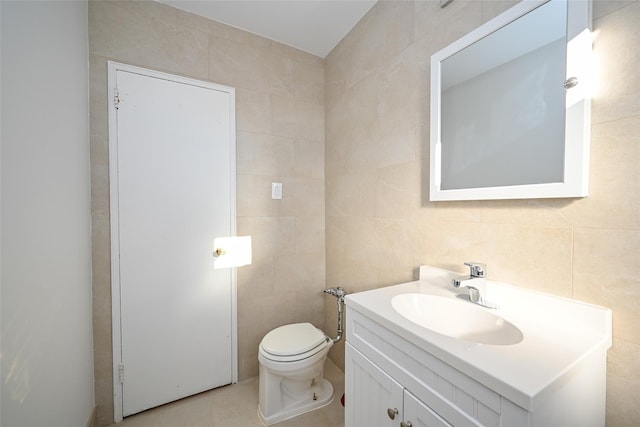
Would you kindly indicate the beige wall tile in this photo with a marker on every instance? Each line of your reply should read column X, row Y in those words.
column 301, row 197
column 392, row 254
column 310, row 235
column 250, row 63
column 308, row 82
column 623, row 384
column 126, row 31
column 528, row 256
column 308, row 159
column 396, row 99
column 448, row 211
column 549, row 212
column 604, row 7
column 394, row 143
column 308, row 306
column 253, row 111
column 617, row 89
column 581, row 248
column 396, row 19
column 225, row 32
column 398, row 190
column 284, row 116
column 253, row 196
column 297, row 272
column 360, row 99
column 264, row 154
column 350, row 257
column 256, row 280
column 492, row 8
column 436, row 27
column 102, row 361
column 260, row 315
column 270, row 236
column 280, row 138
column 379, row 227
column 351, row 195
column 309, row 123
column 355, row 54
column 614, row 187
column 381, row 34
column 605, row 271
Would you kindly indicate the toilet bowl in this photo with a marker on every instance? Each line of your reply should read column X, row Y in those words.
column 291, row 372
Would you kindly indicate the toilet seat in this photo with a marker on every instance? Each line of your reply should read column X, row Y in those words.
column 290, row 343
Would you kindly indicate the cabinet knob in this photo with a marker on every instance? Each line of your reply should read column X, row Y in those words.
column 406, row 424
column 392, row 412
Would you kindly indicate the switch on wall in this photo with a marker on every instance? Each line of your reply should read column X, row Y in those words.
column 276, row 190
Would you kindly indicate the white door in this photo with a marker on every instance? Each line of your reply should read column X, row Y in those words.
column 172, row 192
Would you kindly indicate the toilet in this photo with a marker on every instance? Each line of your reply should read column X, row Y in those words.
column 291, row 372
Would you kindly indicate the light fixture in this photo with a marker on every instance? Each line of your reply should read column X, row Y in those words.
column 233, row 251
column 580, row 63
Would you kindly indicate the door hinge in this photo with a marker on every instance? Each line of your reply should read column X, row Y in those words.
column 121, row 373
column 116, row 98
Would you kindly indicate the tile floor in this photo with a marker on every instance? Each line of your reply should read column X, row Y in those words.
column 235, row 406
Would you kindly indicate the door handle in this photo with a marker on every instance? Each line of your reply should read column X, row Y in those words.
column 392, row 412
column 406, row 424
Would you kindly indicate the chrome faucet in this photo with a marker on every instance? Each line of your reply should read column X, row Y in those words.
column 475, row 284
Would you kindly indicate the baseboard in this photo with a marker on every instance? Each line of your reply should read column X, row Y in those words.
column 92, row 421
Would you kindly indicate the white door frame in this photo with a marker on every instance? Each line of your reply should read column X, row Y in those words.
column 113, row 68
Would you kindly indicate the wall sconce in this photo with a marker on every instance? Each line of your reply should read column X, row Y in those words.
column 580, row 63
column 234, row 251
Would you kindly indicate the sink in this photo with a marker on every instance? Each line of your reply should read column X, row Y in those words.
column 456, row 319
column 534, row 351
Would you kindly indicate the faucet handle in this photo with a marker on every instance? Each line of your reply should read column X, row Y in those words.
column 478, row 269
column 474, row 294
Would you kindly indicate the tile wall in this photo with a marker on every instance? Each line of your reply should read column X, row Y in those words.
column 280, row 137
column 381, row 226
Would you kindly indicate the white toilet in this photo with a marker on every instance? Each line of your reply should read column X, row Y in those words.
column 291, row 372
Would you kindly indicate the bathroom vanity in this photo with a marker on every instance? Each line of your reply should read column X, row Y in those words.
column 536, row 360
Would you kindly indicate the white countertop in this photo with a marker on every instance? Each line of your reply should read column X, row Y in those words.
column 557, row 334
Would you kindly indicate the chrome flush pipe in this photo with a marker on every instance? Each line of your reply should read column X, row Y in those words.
column 339, row 293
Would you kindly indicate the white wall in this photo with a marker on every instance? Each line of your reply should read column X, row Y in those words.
column 46, row 347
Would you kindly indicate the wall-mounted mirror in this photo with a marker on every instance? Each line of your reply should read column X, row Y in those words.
column 510, row 106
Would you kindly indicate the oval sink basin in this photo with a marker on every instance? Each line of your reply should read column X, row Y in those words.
column 456, row 319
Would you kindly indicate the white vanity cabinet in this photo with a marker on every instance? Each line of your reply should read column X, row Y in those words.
column 379, row 400
column 385, row 372
column 554, row 376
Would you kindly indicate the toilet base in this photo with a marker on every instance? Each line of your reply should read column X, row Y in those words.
column 292, row 408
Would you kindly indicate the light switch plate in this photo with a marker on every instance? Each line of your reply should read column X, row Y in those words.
column 276, row 190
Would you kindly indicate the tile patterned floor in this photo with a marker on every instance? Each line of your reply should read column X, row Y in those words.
column 235, row 406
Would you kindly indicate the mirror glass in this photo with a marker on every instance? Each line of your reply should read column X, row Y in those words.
column 500, row 109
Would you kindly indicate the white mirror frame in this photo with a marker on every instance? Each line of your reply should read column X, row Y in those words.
column 578, row 110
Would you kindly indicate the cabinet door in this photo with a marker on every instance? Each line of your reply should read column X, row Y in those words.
column 417, row 414
column 372, row 398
